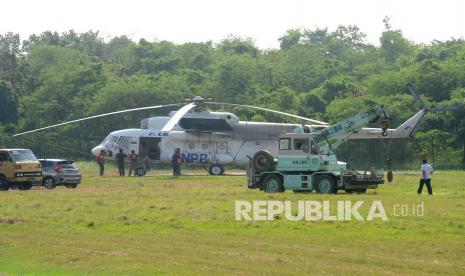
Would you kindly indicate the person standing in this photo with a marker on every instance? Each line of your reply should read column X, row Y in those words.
column 147, row 161
column 101, row 161
column 426, row 172
column 133, row 157
column 176, row 162
column 120, row 156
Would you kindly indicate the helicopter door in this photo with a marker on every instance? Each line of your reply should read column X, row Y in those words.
column 149, row 146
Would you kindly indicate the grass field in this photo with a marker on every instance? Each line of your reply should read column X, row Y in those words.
column 164, row 225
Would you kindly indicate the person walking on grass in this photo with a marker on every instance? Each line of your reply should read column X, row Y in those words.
column 176, row 162
column 100, row 159
column 426, row 172
column 120, row 156
column 133, row 157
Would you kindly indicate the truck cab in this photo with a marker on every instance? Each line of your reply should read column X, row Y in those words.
column 300, row 152
column 19, row 168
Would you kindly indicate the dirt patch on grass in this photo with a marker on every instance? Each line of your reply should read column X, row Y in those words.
column 10, row 220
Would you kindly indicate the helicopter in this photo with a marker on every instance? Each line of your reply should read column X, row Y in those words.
column 219, row 139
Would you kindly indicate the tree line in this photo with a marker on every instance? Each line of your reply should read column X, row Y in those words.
column 327, row 75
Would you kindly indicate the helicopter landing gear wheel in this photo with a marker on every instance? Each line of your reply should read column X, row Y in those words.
column 140, row 171
column 216, row 169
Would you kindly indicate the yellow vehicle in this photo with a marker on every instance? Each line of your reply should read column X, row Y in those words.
column 19, row 168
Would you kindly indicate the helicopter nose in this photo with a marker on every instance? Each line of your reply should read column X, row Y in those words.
column 96, row 150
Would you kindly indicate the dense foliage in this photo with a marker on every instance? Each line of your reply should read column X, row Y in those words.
column 51, row 77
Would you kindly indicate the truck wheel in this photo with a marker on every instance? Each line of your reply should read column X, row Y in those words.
column 263, row 161
column 216, row 169
column 49, row 183
column 140, row 171
column 325, row 184
column 4, row 185
column 25, row 186
column 273, row 184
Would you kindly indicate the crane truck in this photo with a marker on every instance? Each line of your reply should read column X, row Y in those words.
column 306, row 160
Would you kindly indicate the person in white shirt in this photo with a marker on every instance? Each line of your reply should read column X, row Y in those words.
column 426, row 172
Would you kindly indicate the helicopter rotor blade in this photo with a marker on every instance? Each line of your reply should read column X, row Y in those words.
column 444, row 108
column 97, row 116
column 177, row 116
column 415, row 96
column 270, row 110
column 432, row 108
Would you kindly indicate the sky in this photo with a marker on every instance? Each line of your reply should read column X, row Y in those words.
column 264, row 21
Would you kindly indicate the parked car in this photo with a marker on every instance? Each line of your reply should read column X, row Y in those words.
column 57, row 172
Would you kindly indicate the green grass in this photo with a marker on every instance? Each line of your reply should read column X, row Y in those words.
column 163, row 225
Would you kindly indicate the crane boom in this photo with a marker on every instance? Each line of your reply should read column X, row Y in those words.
column 329, row 139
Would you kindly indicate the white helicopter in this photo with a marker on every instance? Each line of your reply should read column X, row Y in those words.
column 217, row 139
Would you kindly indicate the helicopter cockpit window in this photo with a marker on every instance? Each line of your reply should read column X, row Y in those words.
column 123, row 142
column 109, row 139
column 301, row 144
column 285, row 143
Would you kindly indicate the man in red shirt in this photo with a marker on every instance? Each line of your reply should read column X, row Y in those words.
column 133, row 157
column 101, row 161
column 176, row 160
